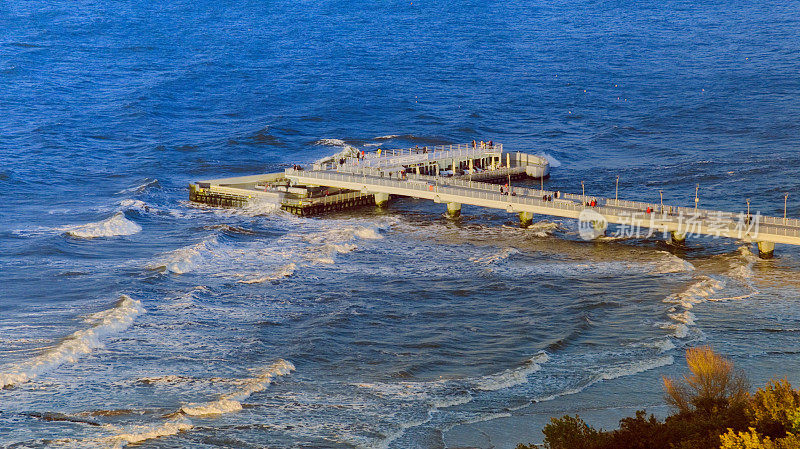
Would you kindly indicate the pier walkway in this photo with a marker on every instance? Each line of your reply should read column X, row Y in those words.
column 674, row 222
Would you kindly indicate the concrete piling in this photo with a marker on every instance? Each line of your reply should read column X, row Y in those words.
column 766, row 250
column 677, row 239
column 381, row 199
column 525, row 219
column 453, row 210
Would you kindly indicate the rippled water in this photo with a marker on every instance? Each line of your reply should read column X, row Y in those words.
column 128, row 315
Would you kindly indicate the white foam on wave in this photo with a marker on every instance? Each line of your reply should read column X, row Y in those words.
column 680, row 313
column 257, row 208
column 284, row 272
column 141, row 433
column 347, row 151
column 671, row 263
column 554, row 163
column 663, row 345
column 232, row 402
column 117, row 225
column 331, row 142
column 543, row 228
column 501, row 255
column 637, row 367
column 511, row 377
column 130, row 204
column 324, row 246
column 185, row 259
column 81, row 342
column 386, row 137
column 744, row 271
column 610, row 373
column 139, row 188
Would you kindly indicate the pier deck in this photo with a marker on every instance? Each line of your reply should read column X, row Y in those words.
column 457, row 174
column 678, row 222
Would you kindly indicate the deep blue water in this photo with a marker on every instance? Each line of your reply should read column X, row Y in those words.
column 128, row 315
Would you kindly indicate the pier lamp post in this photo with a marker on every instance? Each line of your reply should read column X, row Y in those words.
column 616, row 193
column 541, row 182
column 696, row 198
column 748, row 209
column 661, row 193
column 785, row 199
column 508, row 167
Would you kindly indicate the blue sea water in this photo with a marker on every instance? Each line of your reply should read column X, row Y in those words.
column 129, row 316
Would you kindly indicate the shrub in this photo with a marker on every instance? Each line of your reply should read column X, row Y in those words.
column 775, row 409
column 712, row 387
column 570, row 433
column 714, row 410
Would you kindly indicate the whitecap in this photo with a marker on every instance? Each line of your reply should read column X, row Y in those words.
column 331, row 142
column 285, row 271
column 672, row 264
column 501, row 255
column 138, row 434
column 185, row 259
column 140, row 188
column 554, row 163
column 348, row 151
column 232, row 402
column 117, row 225
column 637, row 367
column 511, row 377
column 81, row 342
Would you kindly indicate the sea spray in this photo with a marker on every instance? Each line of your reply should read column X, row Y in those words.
column 116, row 225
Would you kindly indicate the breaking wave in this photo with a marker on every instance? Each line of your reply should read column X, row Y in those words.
column 232, row 402
column 672, row 264
column 554, row 163
column 331, row 142
column 147, row 183
column 681, row 317
column 348, row 151
column 138, row 434
column 82, row 342
column 117, row 225
column 503, row 254
column 285, row 271
column 511, row 377
column 186, row 259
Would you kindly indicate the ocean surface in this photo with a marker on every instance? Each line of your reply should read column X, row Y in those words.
column 130, row 316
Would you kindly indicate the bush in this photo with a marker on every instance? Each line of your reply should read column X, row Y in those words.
column 571, row 433
column 713, row 410
column 712, row 387
column 775, row 410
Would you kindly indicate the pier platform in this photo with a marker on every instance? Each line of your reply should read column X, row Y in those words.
column 471, row 161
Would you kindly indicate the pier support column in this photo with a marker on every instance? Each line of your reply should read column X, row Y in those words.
column 525, row 219
column 676, row 238
column 600, row 227
column 381, row 199
column 766, row 249
column 453, row 210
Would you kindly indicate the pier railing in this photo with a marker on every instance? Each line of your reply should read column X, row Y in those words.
column 408, row 156
column 469, row 191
